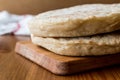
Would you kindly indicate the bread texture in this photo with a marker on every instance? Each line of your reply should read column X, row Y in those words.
column 81, row 46
column 81, row 20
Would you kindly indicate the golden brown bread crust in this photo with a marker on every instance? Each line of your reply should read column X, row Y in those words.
column 82, row 20
column 81, row 46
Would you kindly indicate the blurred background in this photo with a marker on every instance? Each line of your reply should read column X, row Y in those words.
column 37, row 6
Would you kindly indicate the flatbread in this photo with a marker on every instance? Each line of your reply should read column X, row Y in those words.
column 81, row 46
column 81, row 20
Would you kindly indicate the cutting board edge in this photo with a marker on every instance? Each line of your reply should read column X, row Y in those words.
column 60, row 68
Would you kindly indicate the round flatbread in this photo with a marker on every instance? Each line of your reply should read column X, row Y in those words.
column 81, row 46
column 82, row 20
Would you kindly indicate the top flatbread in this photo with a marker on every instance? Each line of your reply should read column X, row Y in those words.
column 82, row 20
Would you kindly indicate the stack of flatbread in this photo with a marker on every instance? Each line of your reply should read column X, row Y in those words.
column 84, row 30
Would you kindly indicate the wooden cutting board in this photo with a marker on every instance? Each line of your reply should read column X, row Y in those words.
column 63, row 65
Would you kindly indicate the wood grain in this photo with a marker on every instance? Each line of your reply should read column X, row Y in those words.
column 16, row 67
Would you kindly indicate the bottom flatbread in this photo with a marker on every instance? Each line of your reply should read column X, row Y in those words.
column 81, row 46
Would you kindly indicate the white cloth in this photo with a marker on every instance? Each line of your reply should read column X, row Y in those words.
column 16, row 24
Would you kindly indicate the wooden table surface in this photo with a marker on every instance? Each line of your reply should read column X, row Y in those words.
column 16, row 67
